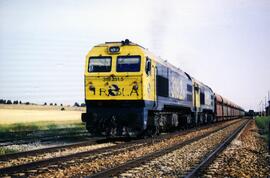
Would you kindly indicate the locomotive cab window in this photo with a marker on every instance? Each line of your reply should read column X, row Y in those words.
column 99, row 64
column 128, row 64
column 148, row 66
column 202, row 98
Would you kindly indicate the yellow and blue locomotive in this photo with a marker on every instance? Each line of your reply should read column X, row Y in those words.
column 128, row 90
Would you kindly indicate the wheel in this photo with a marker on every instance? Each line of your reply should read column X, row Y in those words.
column 94, row 131
column 189, row 121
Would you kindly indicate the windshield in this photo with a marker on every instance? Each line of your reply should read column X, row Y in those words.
column 99, row 64
column 128, row 64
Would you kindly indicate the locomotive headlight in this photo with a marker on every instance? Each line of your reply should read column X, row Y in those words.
column 114, row 49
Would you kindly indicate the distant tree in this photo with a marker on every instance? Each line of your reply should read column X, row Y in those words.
column 20, row 102
column 61, row 104
column 2, row 101
column 27, row 103
column 62, row 109
column 76, row 104
column 15, row 102
column 83, row 105
column 9, row 102
column 55, row 104
column 51, row 104
column 45, row 104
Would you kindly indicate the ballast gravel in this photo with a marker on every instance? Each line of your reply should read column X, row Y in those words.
column 95, row 163
column 180, row 161
column 246, row 156
column 57, row 153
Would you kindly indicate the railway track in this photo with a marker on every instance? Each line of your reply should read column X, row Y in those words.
column 17, row 155
column 196, row 171
column 67, row 162
column 246, row 156
column 44, row 162
column 116, row 171
column 27, row 137
column 177, row 161
column 87, row 145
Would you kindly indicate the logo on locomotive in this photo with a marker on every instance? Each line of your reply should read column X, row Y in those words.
column 177, row 87
column 116, row 87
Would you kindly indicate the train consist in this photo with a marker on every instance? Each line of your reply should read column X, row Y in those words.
column 128, row 90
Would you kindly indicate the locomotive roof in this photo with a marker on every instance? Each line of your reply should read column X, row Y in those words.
column 158, row 59
column 202, row 84
column 167, row 64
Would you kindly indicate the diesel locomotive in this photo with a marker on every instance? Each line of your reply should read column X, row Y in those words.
column 128, row 90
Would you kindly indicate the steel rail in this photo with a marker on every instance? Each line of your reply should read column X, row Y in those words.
column 44, row 138
column 17, row 155
column 216, row 151
column 111, row 149
column 49, row 161
column 138, row 161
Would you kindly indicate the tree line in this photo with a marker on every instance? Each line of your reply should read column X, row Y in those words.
column 3, row 101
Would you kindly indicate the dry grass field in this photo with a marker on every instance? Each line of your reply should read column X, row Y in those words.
column 10, row 116
column 20, row 118
column 37, row 116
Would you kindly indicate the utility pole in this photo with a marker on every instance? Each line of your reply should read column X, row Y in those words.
column 259, row 109
column 260, row 106
column 268, row 110
column 265, row 105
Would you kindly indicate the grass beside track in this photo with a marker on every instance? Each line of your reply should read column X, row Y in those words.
column 37, row 130
column 6, row 151
column 40, row 125
column 263, row 124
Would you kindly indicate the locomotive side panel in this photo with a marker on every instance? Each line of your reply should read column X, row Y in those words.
column 174, row 89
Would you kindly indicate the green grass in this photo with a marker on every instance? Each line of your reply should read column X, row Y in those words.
column 41, row 125
column 263, row 125
column 6, row 151
column 35, row 130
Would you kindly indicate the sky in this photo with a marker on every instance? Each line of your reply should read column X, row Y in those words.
column 43, row 44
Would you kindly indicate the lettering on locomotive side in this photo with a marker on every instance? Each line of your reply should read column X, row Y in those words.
column 111, row 78
column 177, row 87
column 115, row 90
column 208, row 100
column 114, row 87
